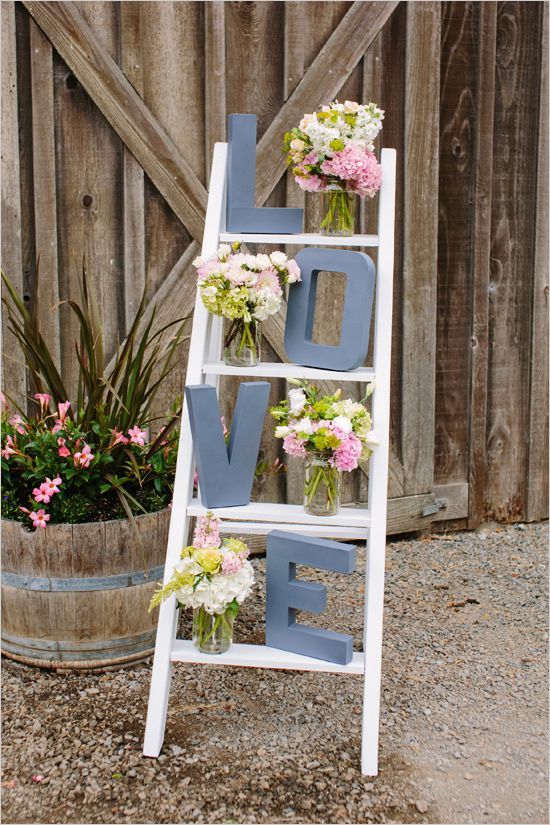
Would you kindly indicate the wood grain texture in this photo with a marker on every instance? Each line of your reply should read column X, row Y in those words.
column 133, row 177
column 514, row 191
column 89, row 208
column 537, row 473
column 124, row 109
column 454, row 260
column 486, row 14
column 214, row 78
column 46, row 293
column 420, row 245
column 13, row 372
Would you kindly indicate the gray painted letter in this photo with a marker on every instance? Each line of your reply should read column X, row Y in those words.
column 354, row 339
column 285, row 595
column 242, row 215
column 226, row 473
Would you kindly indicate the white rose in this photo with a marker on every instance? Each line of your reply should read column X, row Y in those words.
column 263, row 261
column 278, row 258
column 342, row 423
column 297, row 145
column 351, row 106
column 305, row 426
column 281, row 431
column 297, row 400
column 223, row 250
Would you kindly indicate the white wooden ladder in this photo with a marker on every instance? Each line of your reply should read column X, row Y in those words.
column 205, row 366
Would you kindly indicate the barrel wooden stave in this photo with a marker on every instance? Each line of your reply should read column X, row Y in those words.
column 81, row 628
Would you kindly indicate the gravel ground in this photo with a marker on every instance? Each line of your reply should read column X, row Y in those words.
column 464, row 734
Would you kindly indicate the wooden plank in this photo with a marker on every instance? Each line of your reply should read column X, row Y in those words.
column 457, row 133
column 173, row 175
column 45, row 194
column 13, row 372
column 215, row 78
column 420, row 244
column 481, row 263
column 133, row 178
column 514, row 196
column 323, row 80
column 537, row 475
column 89, row 191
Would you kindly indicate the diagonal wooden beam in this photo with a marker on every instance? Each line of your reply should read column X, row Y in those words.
column 122, row 106
column 320, row 84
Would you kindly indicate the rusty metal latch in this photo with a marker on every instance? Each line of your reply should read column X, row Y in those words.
column 433, row 508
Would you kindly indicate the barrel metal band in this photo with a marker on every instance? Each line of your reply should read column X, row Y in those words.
column 84, row 583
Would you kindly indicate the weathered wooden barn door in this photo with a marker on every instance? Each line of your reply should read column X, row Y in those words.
column 109, row 124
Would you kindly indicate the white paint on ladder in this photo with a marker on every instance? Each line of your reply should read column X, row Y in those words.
column 204, row 365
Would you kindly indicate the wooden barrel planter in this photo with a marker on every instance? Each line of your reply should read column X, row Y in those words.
column 75, row 596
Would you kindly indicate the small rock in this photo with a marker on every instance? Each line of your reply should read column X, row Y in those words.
column 421, row 806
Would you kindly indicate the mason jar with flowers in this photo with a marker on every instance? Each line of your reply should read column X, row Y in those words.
column 244, row 289
column 332, row 152
column 332, row 434
column 213, row 577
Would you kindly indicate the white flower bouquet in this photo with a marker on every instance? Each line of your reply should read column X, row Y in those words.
column 245, row 290
column 213, row 577
column 332, row 151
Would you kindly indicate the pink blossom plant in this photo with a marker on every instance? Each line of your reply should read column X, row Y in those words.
column 137, row 436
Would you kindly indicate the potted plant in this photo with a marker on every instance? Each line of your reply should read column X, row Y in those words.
column 86, row 493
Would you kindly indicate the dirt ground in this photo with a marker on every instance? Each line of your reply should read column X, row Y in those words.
column 464, row 733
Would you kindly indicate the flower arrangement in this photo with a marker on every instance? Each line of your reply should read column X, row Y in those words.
column 332, row 151
column 91, row 458
column 55, row 470
column 213, row 577
column 244, row 289
column 334, row 434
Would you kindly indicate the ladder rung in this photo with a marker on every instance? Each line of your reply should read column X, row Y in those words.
column 307, row 239
column 261, row 517
column 282, row 370
column 262, row 656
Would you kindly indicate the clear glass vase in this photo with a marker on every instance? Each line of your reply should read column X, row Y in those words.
column 321, row 486
column 241, row 347
column 212, row 633
column 338, row 211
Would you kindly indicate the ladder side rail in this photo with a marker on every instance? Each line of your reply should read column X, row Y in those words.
column 378, row 470
column 183, row 483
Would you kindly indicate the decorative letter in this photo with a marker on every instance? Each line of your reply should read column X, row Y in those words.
column 285, row 595
column 226, row 473
column 354, row 339
column 242, row 215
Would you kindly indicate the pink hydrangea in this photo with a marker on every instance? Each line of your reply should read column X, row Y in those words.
column 311, row 159
column 207, row 531
column 357, row 166
column 312, row 183
column 294, row 445
column 346, row 457
column 231, row 563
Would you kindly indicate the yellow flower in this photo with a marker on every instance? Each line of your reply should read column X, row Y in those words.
column 186, row 552
column 209, row 559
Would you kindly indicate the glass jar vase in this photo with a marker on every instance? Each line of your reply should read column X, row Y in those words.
column 212, row 633
column 241, row 343
column 321, row 486
column 338, row 211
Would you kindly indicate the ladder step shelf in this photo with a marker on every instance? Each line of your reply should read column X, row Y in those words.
column 362, row 375
column 358, row 517
column 262, row 656
column 306, row 239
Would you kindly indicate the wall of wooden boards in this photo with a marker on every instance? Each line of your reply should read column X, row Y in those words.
column 109, row 114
